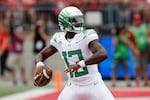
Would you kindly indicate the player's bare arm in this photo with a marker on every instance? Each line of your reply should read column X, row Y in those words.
column 45, row 53
column 43, row 74
column 130, row 44
column 99, row 54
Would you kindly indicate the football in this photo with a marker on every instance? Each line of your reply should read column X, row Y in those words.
column 42, row 76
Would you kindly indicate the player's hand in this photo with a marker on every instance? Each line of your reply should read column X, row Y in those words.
column 72, row 68
column 38, row 72
column 1, row 52
column 39, row 68
column 136, row 51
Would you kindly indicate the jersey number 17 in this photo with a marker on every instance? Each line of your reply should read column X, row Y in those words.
column 68, row 54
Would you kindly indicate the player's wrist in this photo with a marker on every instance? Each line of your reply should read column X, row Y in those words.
column 39, row 64
column 81, row 63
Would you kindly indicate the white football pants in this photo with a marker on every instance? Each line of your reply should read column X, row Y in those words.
column 94, row 91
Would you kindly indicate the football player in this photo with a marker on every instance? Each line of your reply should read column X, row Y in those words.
column 81, row 51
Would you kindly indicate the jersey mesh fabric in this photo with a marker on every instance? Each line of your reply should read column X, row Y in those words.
column 76, row 50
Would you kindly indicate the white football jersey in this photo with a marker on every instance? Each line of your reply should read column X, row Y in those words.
column 75, row 50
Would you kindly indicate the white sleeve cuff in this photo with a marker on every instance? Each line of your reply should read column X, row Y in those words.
column 81, row 63
column 39, row 64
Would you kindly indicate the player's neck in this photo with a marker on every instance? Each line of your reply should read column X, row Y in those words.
column 70, row 35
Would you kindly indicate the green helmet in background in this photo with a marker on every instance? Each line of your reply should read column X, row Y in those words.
column 71, row 19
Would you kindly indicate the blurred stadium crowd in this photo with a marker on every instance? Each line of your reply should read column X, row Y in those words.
column 19, row 18
column 112, row 12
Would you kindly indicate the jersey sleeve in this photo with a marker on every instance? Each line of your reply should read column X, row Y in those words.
column 54, row 41
column 91, row 35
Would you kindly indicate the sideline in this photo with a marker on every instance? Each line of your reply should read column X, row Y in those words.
column 138, row 98
column 28, row 94
column 40, row 94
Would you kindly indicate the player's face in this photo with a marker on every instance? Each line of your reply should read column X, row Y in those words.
column 137, row 22
column 124, row 31
column 77, row 22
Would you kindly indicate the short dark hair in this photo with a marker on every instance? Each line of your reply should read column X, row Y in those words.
column 119, row 28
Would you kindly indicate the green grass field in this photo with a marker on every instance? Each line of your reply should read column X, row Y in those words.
column 4, row 91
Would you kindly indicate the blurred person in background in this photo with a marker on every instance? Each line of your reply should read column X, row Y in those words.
column 31, row 16
column 39, row 36
column 15, row 18
column 148, row 48
column 60, row 4
column 124, row 12
column 139, row 4
column 95, row 4
column 76, row 3
column 4, row 49
column 51, row 25
column 121, row 55
column 7, row 19
column 139, row 37
column 16, row 58
column 146, row 17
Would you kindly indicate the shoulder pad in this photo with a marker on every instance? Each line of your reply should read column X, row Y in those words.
column 90, row 31
column 56, row 36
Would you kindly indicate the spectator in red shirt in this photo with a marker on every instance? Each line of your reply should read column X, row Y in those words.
column 4, row 49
